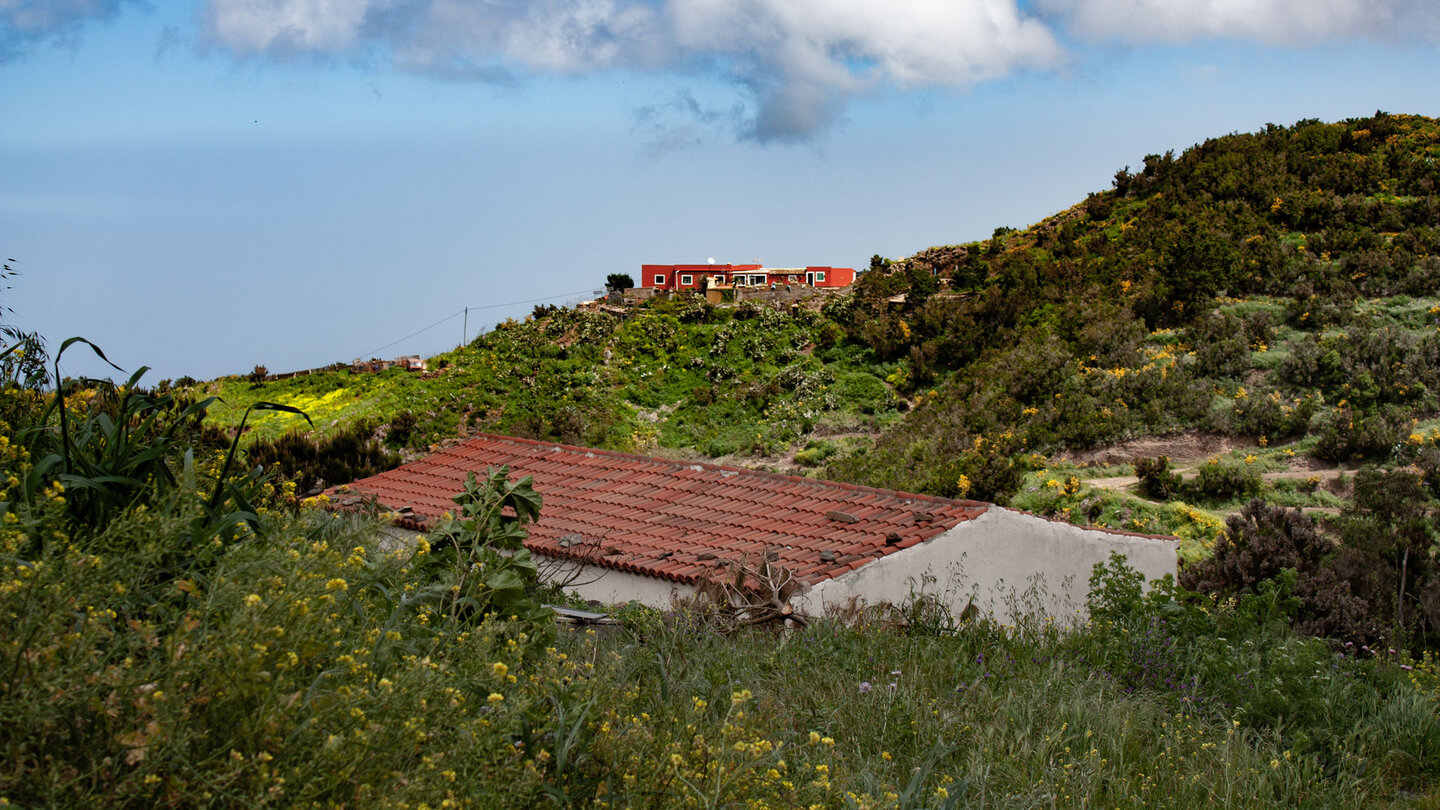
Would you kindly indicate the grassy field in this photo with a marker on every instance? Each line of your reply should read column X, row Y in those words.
column 180, row 632
column 308, row 670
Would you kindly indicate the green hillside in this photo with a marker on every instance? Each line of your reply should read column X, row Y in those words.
column 1276, row 286
column 1256, row 317
column 1248, row 326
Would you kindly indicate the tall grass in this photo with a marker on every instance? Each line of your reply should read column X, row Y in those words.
column 305, row 674
column 180, row 648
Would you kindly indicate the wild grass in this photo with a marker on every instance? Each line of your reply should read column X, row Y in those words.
column 310, row 659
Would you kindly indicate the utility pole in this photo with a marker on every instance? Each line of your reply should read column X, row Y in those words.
column 465, row 330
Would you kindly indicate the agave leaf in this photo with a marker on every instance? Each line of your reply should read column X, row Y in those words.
column 235, row 445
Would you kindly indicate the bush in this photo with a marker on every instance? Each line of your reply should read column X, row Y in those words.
column 1260, row 543
column 815, row 453
column 1350, row 434
column 1272, row 415
column 863, row 392
column 1216, row 481
column 310, row 665
column 1388, row 557
column 401, row 429
column 313, row 464
column 1157, row 481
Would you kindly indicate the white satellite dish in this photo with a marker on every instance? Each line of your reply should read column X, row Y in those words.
column 711, row 260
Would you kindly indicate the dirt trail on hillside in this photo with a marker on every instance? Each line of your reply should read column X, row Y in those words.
column 1187, row 451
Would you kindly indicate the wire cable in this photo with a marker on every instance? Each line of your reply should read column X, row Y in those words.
column 459, row 312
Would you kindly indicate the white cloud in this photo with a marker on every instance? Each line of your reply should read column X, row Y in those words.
column 804, row 58
column 23, row 22
column 540, row 36
column 289, row 26
column 799, row 61
column 1276, row 22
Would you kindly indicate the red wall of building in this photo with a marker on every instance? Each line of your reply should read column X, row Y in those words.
column 668, row 276
column 834, row 276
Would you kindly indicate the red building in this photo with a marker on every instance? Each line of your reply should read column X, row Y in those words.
column 691, row 276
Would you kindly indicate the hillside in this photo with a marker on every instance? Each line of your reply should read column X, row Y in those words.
column 184, row 630
column 1274, row 293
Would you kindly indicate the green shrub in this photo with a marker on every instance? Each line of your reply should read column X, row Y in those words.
column 1157, row 481
column 863, row 392
column 1350, row 434
column 339, row 458
column 401, row 429
column 815, row 453
column 1224, row 481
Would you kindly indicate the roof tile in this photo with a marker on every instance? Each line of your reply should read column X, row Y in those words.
column 644, row 507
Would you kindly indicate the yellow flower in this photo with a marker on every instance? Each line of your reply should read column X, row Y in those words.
column 253, row 600
column 337, row 584
column 495, row 697
column 499, row 669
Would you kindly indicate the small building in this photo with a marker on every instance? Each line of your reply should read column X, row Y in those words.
column 693, row 277
column 651, row 529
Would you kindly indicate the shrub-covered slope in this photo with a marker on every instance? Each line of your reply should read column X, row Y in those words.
column 1277, row 287
column 1273, row 285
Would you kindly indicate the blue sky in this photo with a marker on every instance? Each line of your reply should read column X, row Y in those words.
column 203, row 186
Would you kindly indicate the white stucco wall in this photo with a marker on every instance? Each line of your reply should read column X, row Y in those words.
column 1005, row 561
column 611, row 587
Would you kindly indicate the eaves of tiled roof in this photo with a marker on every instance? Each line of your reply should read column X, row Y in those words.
column 675, row 520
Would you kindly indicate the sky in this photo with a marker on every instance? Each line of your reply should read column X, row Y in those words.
column 203, row 186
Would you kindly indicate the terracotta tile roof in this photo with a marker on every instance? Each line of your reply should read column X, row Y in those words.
column 676, row 520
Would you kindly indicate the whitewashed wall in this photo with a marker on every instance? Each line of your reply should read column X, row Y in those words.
column 611, row 587
column 1003, row 561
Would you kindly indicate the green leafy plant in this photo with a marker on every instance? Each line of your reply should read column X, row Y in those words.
column 477, row 556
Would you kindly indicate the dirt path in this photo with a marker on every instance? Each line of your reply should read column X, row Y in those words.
column 1188, row 450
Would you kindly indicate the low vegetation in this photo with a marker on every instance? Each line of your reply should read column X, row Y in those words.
column 184, row 628
column 183, row 648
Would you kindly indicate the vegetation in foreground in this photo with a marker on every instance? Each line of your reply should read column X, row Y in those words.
column 198, row 640
column 179, row 630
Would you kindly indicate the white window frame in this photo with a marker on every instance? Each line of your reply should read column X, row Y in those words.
column 659, row 279
column 687, row 279
column 757, row 280
column 820, row 277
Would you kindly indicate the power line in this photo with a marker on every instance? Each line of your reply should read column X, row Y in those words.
column 458, row 312
column 535, row 300
column 451, row 316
